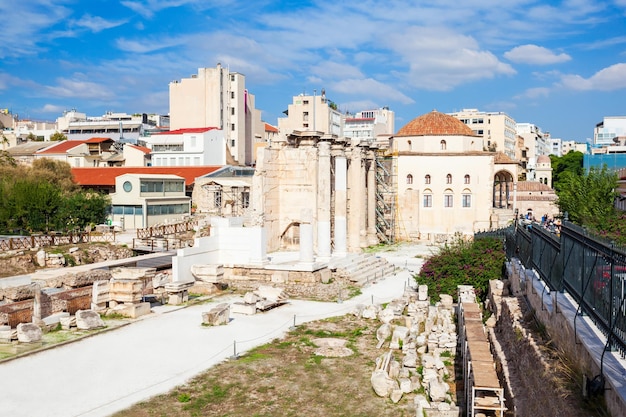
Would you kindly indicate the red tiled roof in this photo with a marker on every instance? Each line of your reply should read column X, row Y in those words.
column 61, row 147
column 533, row 186
column 141, row 148
column 98, row 140
column 106, row 176
column 186, row 130
column 435, row 124
column 270, row 128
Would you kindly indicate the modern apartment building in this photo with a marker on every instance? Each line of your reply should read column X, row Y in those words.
column 122, row 127
column 368, row 124
column 189, row 147
column 536, row 143
column 573, row 146
column 311, row 113
column 610, row 127
column 497, row 129
column 217, row 97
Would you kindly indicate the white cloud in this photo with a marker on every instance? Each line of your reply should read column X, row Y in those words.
column 440, row 59
column 370, row 88
column 97, row 23
column 533, row 93
column 330, row 70
column 608, row 79
column 77, row 88
column 533, row 54
column 52, row 108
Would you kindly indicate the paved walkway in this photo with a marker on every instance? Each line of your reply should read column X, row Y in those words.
column 101, row 375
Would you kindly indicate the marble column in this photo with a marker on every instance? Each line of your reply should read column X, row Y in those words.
column 356, row 199
column 323, row 200
column 306, row 237
column 372, row 239
column 341, row 227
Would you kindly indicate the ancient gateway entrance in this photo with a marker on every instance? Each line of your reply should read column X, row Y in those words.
column 503, row 190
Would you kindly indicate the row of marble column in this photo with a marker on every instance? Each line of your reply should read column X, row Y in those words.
column 354, row 203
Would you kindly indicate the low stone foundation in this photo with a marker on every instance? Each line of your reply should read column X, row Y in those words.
column 296, row 284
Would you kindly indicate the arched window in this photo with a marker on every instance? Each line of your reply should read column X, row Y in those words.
column 410, row 145
column 449, row 179
column 466, row 198
column 448, row 198
column 466, row 179
column 443, row 145
column 409, row 179
column 427, row 179
column 428, row 198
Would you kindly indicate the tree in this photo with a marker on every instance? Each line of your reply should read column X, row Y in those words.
column 83, row 208
column 589, row 198
column 58, row 172
column 570, row 162
column 57, row 136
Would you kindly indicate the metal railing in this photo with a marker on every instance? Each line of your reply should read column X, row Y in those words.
column 166, row 229
column 590, row 269
column 39, row 241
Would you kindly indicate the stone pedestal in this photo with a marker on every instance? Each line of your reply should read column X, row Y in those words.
column 178, row 292
column 218, row 315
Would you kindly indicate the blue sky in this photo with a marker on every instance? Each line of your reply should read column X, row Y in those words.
column 559, row 65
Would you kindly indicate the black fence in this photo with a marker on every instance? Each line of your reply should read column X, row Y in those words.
column 590, row 269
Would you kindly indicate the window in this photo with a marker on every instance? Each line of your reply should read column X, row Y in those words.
column 232, row 78
column 232, row 111
column 245, row 199
column 410, row 145
column 409, row 179
column 447, row 200
column 443, row 145
column 232, row 94
column 467, row 200
column 305, row 102
column 428, row 200
column 449, row 179
column 232, row 126
column 427, row 179
column 466, row 179
column 305, row 116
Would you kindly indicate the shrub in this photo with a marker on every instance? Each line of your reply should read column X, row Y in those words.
column 472, row 263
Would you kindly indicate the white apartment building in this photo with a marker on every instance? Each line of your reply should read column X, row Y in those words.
column 311, row 113
column 609, row 128
column 117, row 126
column 573, row 146
column 368, row 124
column 497, row 129
column 188, row 147
column 556, row 146
column 217, row 97
column 536, row 144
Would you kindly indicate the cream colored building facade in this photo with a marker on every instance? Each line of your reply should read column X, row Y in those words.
column 311, row 113
column 144, row 200
column 369, row 124
column 217, row 97
column 447, row 183
column 497, row 129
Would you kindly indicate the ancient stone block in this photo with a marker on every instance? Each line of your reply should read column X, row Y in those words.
column 88, row 320
column 243, row 308
column 28, row 333
column 218, row 315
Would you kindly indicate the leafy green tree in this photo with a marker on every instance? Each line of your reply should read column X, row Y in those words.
column 463, row 263
column 57, row 136
column 570, row 162
column 589, row 198
column 57, row 172
column 83, row 208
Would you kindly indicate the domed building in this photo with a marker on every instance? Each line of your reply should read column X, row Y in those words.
column 447, row 183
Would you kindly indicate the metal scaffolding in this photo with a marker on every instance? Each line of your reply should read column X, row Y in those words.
column 386, row 197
